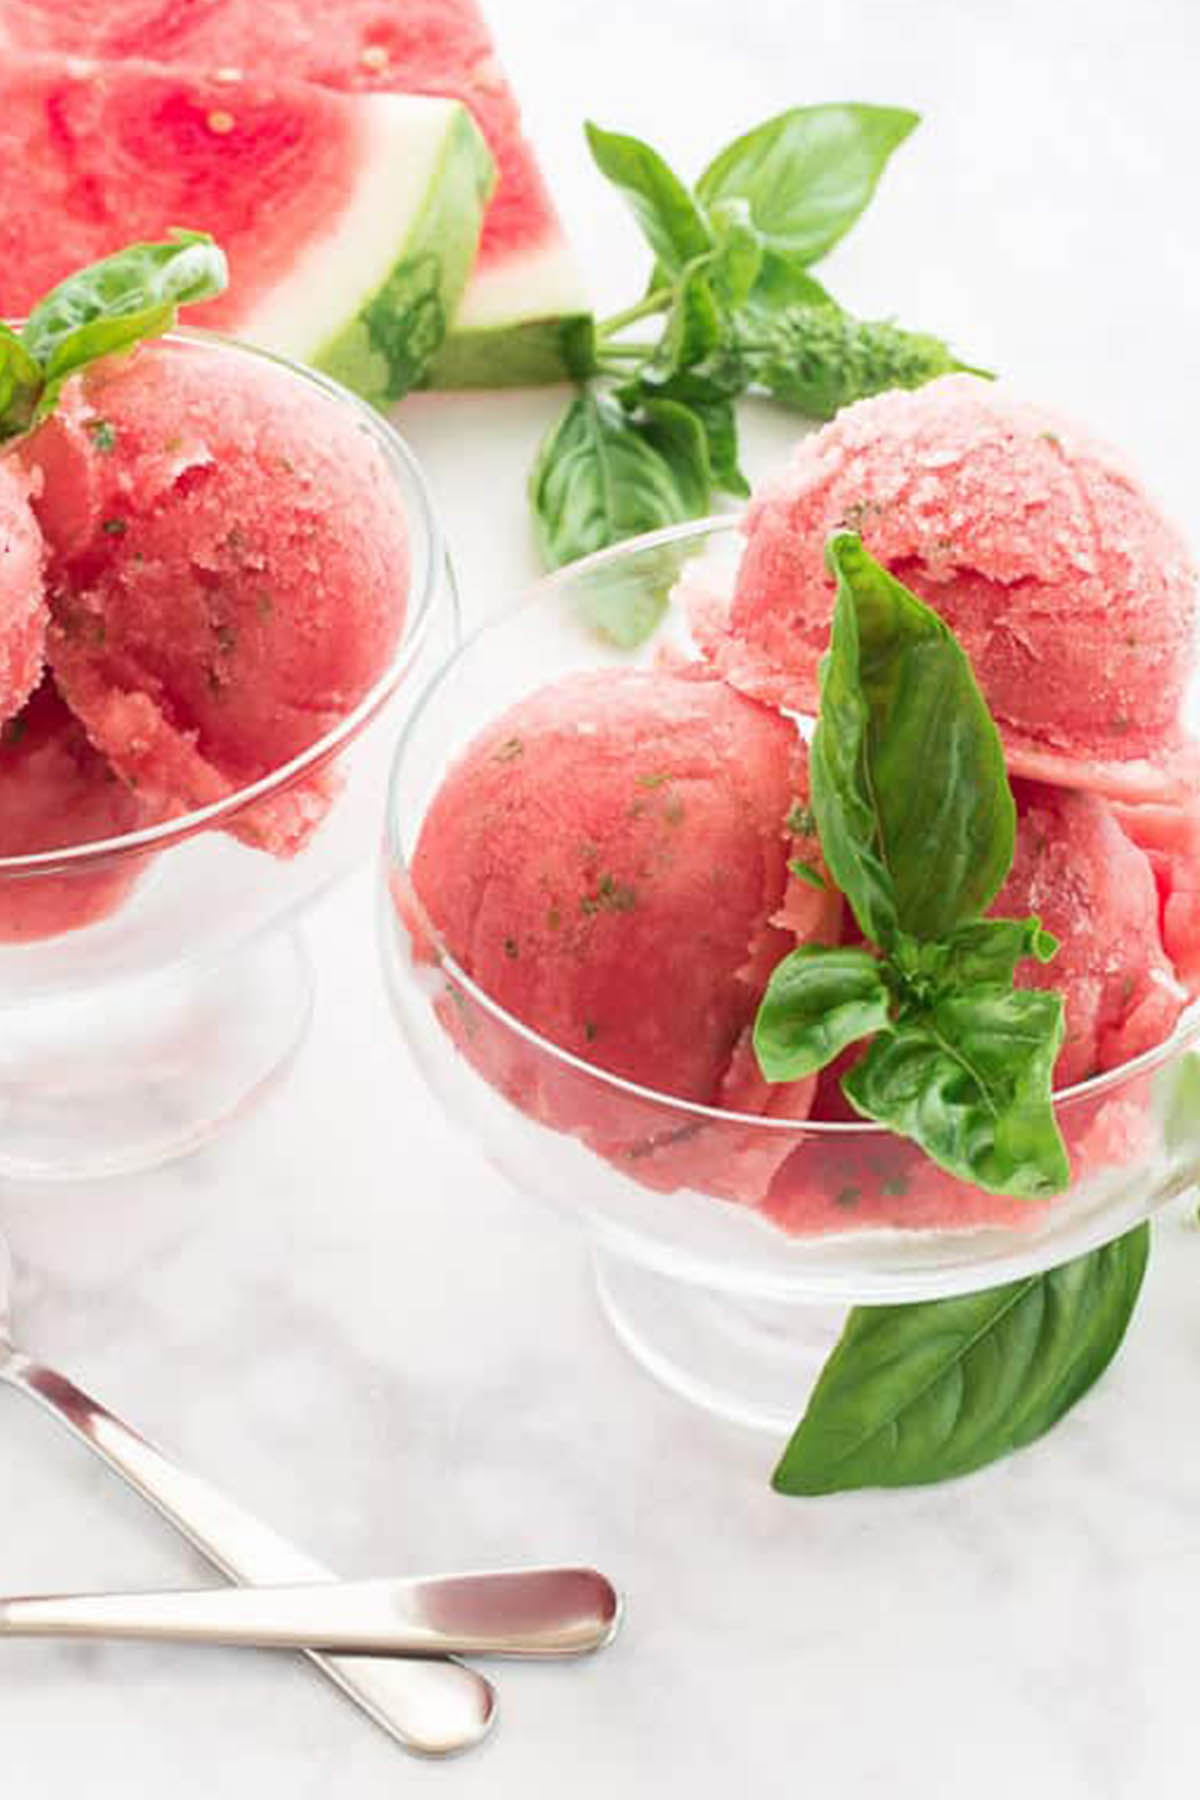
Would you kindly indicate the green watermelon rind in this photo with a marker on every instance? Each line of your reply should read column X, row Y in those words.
column 525, row 353
column 386, row 347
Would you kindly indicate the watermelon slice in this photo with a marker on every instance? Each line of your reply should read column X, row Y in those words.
column 350, row 223
column 524, row 315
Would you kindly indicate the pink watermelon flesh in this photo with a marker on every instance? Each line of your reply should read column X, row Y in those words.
column 391, row 46
column 228, row 573
column 107, row 156
column 57, row 791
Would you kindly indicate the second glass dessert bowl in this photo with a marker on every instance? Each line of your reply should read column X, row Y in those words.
column 726, row 1246
column 152, row 984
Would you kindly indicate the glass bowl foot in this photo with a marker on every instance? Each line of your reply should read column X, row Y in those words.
column 137, row 1073
column 750, row 1360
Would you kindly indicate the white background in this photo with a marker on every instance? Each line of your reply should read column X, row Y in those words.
column 344, row 1316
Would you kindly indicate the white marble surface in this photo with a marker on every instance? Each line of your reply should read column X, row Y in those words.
column 341, row 1313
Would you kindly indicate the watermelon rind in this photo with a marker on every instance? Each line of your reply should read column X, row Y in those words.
column 524, row 353
column 520, row 324
column 370, row 299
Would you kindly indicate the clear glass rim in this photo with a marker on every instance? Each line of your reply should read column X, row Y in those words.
column 424, row 530
column 1185, row 1033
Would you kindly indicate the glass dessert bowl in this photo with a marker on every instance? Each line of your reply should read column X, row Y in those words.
column 153, row 980
column 726, row 1245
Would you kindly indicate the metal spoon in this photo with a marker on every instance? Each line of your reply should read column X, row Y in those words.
column 510, row 1612
column 432, row 1707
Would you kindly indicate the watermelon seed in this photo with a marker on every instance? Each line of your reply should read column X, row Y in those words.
column 220, row 123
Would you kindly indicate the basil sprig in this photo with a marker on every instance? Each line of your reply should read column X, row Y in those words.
column 100, row 309
column 921, row 1393
column 808, row 174
column 917, row 828
column 736, row 308
column 604, row 473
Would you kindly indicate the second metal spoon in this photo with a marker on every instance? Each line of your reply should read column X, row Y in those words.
column 435, row 1708
column 517, row 1612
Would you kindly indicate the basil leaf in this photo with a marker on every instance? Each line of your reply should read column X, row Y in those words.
column 736, row 261
column 779, row 285
column 809, row 874
column 694, row 326
column 675, row 433
column 603, row 474
column 914, row 1394
column 111, row 304
column 968, row 1080
column 626, row 605
column 663, row 206
column 21, row 383
column 982, row 950
column 807, row 174
column 817, row 1002
column 704, row 396
column 909, row 787
column 819, row 359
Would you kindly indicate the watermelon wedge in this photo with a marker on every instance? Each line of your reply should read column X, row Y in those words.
column 524, row 315
column 350, row 222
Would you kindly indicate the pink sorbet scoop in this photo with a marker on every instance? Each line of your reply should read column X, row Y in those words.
column 56, row 791
column 22, row 597
column 609, row 863
column 1072, row 595
column 228, row 573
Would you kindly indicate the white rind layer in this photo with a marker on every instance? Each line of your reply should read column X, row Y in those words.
column 529, row 284
column 341, row 267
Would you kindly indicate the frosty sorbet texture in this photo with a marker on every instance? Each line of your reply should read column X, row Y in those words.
column 609, row 863
column 1094, row 889
column 22, row 598
column 1071, row 594
column 57, row 791
column 228, row 573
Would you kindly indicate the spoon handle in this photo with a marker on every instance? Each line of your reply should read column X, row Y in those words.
column 435, row 1707
column 508, row 1612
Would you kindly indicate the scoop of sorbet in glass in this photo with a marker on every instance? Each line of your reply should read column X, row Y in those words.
column 609, row 863
column 228, row 573
column 1070, row 592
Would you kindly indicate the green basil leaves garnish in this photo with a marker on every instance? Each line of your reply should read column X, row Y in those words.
column 665, row 208
column 909, row 788
column 808, row 173
column 917, row 827
column 734, row 307
column 101, row 309
column 605, row 473
column 968, row 1077
column 21, row 384
column 925, row 1392
column 819, row 1002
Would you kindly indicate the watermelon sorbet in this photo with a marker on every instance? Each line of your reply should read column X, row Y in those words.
column 620, row 861
column 1072, row 595
column 22, row 596
column 205, row 562
column 609, row 863
column 56, row 791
